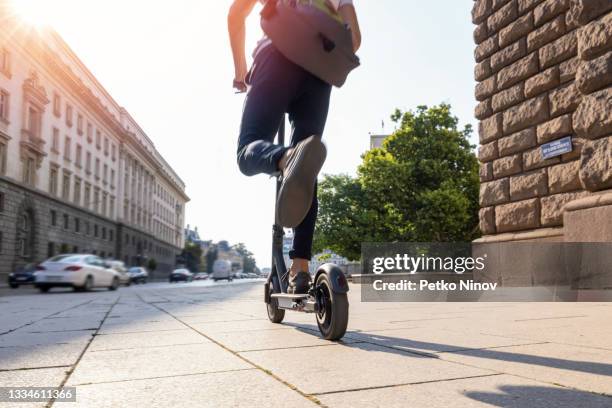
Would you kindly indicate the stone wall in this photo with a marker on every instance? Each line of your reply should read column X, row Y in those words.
column 544, row 71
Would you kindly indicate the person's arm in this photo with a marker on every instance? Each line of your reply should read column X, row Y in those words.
column 238, row 13
column 349, row 16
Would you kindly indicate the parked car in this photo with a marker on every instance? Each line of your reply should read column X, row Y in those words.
column 181, row 275
column 201, row 276
column 138, row 274
column 119, row 266
column 22, row 276
column 222, row 270
column 81, row 272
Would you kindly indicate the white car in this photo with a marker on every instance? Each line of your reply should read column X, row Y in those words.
column 81, row 272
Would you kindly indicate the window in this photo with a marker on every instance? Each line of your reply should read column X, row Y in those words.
column 88, row 162
column 98, row 139
column 57, row 105
column 96, row 230
column 29, row 171
column 96, row 199
column 103, row 232
column 66, row 186
column 87, row 228
column 4, row 105
column 50, row 250
column 1, row 202
column 112, row 180
column 105, row 174
column 5, row 62
column 111, row 235
column 2, row 158
column 106, row 144
column 67, row 148
column 80, row 124
column 97, row 169
column 79, row 153
column 34, row 122
column 69, row 115
column 53, row 176
column 89, row 132
column 55, row 143
column 114, row 152
column 87, row 199
column 77, row 191
column 77, row 227
column 53, row 218
column 66, row 221
column 104, row 203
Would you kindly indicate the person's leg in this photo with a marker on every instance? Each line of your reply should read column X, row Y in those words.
column 274, row 82
column 308, row 115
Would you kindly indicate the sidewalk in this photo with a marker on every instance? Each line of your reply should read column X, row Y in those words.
column 190, row 346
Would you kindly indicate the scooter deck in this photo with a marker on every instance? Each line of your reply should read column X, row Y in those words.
column 289, row 296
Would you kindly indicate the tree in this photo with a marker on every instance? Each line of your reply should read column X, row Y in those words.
column 192, row 254
column 211, row 257
column 152, row 264
column 248, row 260
column 420, row 186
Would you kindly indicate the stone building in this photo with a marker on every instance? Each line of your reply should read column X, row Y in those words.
column 544, row 72
column 77, row 173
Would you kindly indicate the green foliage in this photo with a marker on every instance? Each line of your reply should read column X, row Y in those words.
column 248, row 260
column 420, row 186
column 211, row 257
column 152, row 264
column 191, row 255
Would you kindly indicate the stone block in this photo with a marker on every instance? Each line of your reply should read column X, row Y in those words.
column 480, row 11
column 508, row 97
column 486, row 88
column 528, row 185
column 595, row 38
column 545, row 34
column 481, row 33
column 507, row 166
column 552, row 207
column 592, row 119
column 532, row 159
column 483, row 110
column 564, row 177
column 561, row 49
column 518, row 71
column 587, row 10
column 548, row 10
column 503, row 17
column 516, row 30
column 487, row 220
column 494, row 192
column 486, row 171
column 595, row 74
column 486, row 48
column 490, row 128
column 564, row 100
column 508, row 54
column 482, row 70
column 517, row 142
column 596, row 164
column 555, row 128
column 526, row 5
column 568, row 69
column 488, row 152
column 542, row 82
column 518, row 216
column 527, row 114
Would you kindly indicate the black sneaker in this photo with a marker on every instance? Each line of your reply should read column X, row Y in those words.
column 299, row 178
column 299, row 283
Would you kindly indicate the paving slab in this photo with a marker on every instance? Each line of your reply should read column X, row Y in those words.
column 126, row 341
column 44, row 377
column 49, row 355
column 237, row 326
column 492, row 391
column 139, row 326
column 359, row 365
column 245, row 388
column 587, row 369
column 121, row 365
column 20, row 338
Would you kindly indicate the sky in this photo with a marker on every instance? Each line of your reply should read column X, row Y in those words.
column 169, row 64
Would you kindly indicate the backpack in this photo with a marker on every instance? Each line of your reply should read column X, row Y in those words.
column 312, row 35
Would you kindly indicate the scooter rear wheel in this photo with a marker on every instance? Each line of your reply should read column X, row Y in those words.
column 332, row 317
column 275, row 314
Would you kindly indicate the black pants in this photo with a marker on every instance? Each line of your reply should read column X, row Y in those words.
column 278, row 86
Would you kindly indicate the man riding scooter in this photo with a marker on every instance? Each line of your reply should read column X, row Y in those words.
column 276, row 85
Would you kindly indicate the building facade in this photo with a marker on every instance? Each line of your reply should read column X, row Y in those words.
column 544, row 72
column 77, row 173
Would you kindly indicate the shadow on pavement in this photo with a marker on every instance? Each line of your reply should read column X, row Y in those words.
column 512, row 396
column 405, row 347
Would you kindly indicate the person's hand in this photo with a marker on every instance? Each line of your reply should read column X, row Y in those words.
column 240, row 85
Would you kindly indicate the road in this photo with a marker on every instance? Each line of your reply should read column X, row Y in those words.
column 211, row 345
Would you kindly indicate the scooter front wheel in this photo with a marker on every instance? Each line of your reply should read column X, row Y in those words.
column 275, row 314
column 333, row 309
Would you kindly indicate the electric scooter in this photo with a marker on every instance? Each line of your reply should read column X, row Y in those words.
column 327, row 296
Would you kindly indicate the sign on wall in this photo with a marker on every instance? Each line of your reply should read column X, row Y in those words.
column 556, row 147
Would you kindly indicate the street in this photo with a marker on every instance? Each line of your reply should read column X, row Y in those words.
column 211, row 344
